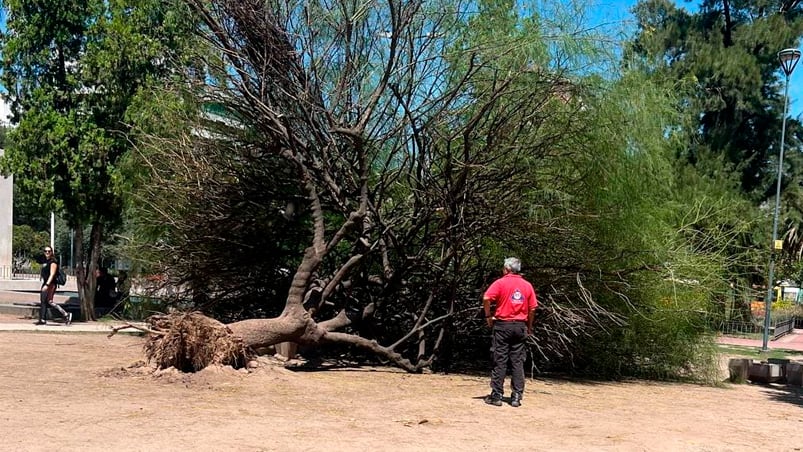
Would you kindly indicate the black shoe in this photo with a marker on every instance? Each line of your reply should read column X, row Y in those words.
column 41, row 322
column 68, row 319
column 515, row 400
column 493, row 399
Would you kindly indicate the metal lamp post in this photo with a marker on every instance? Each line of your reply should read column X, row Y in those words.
column 788, row 59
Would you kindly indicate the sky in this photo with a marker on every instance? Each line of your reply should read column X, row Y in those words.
column 4, row 112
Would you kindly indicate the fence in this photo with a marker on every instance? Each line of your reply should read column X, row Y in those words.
column 778, row 327
column 9, row 272
column 739, row 328
column 782, row 327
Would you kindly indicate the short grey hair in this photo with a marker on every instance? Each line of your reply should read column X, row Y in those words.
column 513, row 264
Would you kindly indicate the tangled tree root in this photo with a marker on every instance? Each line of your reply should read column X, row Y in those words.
column 192, row 341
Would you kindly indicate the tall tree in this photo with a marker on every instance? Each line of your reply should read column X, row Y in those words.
column 724, row 57
column 71, row 68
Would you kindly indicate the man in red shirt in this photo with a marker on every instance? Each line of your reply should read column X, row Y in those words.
column 512, row 322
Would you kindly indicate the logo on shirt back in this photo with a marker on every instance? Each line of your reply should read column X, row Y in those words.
column 517, row 297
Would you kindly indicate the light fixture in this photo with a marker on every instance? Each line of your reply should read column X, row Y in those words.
column 788, row 59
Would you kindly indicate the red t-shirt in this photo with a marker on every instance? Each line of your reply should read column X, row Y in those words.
column 514, row 297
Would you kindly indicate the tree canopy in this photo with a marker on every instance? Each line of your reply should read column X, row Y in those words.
column 724, row 57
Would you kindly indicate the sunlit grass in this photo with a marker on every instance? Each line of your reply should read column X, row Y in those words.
column 740, row 351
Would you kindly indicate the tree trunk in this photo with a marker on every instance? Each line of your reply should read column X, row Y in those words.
column 80, row 272
column 294, row 324
column 85, row 280
column 727, row 29
column 193, row 336
column 260, row 333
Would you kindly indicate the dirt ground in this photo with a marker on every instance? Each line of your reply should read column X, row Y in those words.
column 84, row 392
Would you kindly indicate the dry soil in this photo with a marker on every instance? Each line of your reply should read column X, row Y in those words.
column 86, row 392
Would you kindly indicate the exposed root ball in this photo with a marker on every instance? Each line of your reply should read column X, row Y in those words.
column 193, row 341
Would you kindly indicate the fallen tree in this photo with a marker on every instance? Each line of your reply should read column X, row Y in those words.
column 355, row 175
column 399, row 148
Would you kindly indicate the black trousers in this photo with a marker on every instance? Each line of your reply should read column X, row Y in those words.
column 508, row 347
column 45, row 300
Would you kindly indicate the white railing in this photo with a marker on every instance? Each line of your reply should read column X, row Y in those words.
column 7, row 272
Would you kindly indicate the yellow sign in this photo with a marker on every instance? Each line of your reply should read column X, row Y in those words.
column 779, row 244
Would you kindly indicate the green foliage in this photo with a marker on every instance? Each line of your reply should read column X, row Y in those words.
column 725, row 55
column 729, row 59
column 613, row 216
column 4, row 141
column 71, row 70
column 665, row 346
column 28, row 243
column 26, row 210
column 625, row 230
column 211, row 220
column 141, row 307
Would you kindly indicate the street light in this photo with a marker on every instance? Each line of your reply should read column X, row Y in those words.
column 788, row 59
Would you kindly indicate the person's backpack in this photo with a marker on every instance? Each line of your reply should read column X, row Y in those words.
column 61, row 278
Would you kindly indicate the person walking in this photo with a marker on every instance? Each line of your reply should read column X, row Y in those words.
column 511, row 323
column 50, row 268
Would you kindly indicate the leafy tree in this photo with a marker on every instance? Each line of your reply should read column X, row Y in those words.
column 725, row 55
column 71, row 69
column 727, row 52
column 28, row 245
column 387, row 158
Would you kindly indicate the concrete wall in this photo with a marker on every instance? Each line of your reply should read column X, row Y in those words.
column 6, row 224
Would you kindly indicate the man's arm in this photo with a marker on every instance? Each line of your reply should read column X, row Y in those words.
column 533, row 304
column 52, row 277
column 486, row 306
column 530, row 319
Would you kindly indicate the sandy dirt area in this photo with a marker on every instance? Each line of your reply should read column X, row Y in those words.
column 84, row 392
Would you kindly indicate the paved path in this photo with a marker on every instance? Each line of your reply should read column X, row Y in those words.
column 58, row 326
column 791, row 341
column 33, row 283
column 9, row 322
column 31, row 296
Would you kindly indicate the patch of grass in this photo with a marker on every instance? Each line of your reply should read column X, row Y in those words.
column 756, row 353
